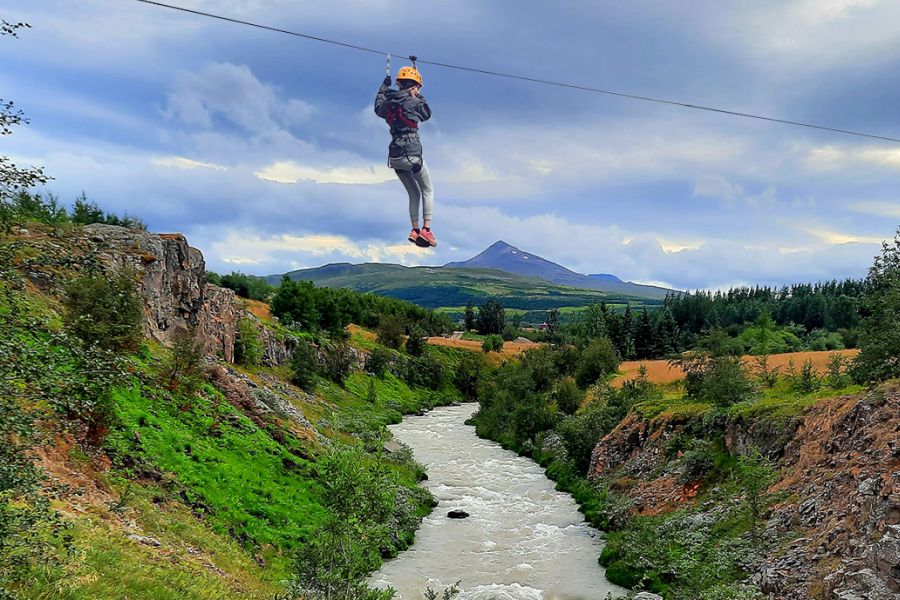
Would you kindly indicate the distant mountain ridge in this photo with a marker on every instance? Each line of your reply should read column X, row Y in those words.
column 508, row 258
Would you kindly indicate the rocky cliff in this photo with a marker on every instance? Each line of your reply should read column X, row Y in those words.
column 176, row 294
column 836, row 533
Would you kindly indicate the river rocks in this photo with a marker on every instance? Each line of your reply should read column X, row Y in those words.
column 457, row 514
column 647, row 596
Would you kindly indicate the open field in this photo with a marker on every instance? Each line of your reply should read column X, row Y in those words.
column 661, row 372
column 510, row 349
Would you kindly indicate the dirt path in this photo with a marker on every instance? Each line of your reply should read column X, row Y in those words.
column 661, row 372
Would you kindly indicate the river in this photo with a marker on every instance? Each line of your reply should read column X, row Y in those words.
column 523, row 540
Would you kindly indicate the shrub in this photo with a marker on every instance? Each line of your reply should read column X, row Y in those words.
column 390, row 332
column 807, row 380
column 248, row 349
column 598, row 360
column 725, row 382
column 567, row 396
column 415, row 342
column 305, row 366
column 697, row 461
column 492, row 343
column 509, row 333
column 183, row 367
column 423, row 371
column 105, row 312
column 837, row 371
column 337, row 361
column 468, row 376
column 371, row 392
column 755, row 475
column 379, row 361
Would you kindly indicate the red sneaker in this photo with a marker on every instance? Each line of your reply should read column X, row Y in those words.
column 427, row 237
column 414, row 236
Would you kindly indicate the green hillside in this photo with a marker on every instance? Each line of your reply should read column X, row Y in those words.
column 439, row 287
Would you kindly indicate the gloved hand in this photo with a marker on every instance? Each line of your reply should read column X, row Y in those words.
column 387, row 80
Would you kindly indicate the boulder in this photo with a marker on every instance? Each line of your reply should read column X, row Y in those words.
column 457, row 514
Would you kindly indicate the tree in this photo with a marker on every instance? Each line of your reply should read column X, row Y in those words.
column 644, row 336
column 183, row 368
column 390, row 331
column 567, row 396
column 553, row 327
column 879, row 340
column 468, row 375
column 595, row 321
column 491, row 318
column 598, row 360
column 360, row 498
column 14, row 179
column 305, row 366
column 415, row 342
column 105, row 311
column 469, row 320
column 295, row 303
column 248, row 349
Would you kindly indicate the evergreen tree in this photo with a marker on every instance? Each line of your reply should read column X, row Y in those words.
column 553, row 326
column 469, row 321
column 667, row 333
column 644, row 336
column 879, row 342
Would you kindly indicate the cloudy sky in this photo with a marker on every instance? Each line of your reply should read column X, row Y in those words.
column 263, row 148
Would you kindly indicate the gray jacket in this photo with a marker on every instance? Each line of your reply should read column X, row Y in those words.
column 403, row 112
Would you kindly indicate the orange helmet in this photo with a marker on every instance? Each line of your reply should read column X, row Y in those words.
column 409, row 73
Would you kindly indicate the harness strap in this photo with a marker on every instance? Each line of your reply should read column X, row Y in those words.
column 395, row 112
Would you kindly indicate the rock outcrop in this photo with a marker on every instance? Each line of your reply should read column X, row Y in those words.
column 173, row 284
column 837, row 536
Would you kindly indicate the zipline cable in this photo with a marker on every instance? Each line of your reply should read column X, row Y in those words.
column 561, row 84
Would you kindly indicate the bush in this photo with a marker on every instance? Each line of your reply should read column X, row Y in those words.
column 248, row 350
column 423, row 371
column 509, row 333
column 697, row 461
column 492, row 343
column 337, row 362
column 567, row 396
column 379, row 361
column 390, row 332
column 581, row 431
column 305, row 366
column 598, row 360
column 468, row 376
column 725, row 382
column 415, row 342
column 837, row 371
column 808, row 380
column 105, row 311
column 183, row 367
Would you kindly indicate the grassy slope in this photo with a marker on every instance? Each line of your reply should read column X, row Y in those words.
column 227, row 500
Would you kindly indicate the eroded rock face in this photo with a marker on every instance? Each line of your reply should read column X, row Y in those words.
column 173, row 284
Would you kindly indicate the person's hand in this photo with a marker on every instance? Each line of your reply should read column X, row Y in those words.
column 387, row 80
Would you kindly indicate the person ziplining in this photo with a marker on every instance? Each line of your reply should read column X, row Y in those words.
column 403, row 109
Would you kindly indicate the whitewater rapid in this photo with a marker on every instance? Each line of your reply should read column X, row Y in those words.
column 523, row 540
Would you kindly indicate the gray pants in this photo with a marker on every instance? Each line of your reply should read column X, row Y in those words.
column 418, row 186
